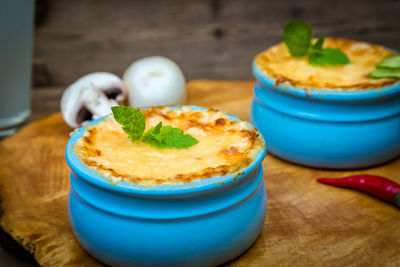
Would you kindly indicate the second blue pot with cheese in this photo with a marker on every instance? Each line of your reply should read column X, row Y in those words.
column 328, row 128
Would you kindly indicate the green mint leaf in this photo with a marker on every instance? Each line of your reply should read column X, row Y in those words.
column 328, row 56
column 392, row 62
column 175, row 137
column 132, row 120
column 389, row 67
column 385, row 73
column 297, row 37
column 152, row 136
column 317, row 46
column 168, row 137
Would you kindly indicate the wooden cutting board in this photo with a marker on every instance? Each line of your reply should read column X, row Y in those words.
column 307, row 224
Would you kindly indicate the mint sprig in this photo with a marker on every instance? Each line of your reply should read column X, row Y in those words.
column 388, row 67
column 159, row 136
column 298, row 37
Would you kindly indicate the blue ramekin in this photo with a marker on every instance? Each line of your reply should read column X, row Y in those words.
column 327, row 128
column 202, row 223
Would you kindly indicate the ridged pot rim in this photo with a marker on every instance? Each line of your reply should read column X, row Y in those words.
column 95, row 178
column 327, row 94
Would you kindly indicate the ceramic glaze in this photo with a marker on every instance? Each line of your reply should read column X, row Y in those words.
column 203, row 223
column 327, row 128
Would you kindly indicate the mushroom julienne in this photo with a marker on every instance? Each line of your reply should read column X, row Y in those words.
column 91, row 97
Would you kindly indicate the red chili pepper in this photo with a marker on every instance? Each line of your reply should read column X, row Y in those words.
column 378, row 186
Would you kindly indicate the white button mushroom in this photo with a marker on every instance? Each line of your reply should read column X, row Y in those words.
column 91, row 97
column 155, row 81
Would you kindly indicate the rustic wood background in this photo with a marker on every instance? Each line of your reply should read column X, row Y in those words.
column 213, row 39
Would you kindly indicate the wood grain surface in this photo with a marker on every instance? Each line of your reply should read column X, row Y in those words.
column 214, row 39
column 307, row 224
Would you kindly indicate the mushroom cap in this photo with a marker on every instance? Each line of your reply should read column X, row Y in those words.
column 76, row 96
column 155, row 81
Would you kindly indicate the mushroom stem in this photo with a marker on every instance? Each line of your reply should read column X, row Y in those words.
column 97, row 103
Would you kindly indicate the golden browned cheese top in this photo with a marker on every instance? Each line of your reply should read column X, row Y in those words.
column 224, row 147
column 277, row 63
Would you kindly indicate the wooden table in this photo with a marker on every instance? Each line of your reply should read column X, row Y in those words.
column 307, row 224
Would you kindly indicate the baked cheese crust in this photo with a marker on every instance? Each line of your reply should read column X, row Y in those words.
column 277, row 63
column 224, row 147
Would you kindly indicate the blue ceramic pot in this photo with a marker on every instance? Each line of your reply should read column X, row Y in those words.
column 202, row 223
column 327, row 128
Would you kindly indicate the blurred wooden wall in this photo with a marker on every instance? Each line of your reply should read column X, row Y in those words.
column 212, row 39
